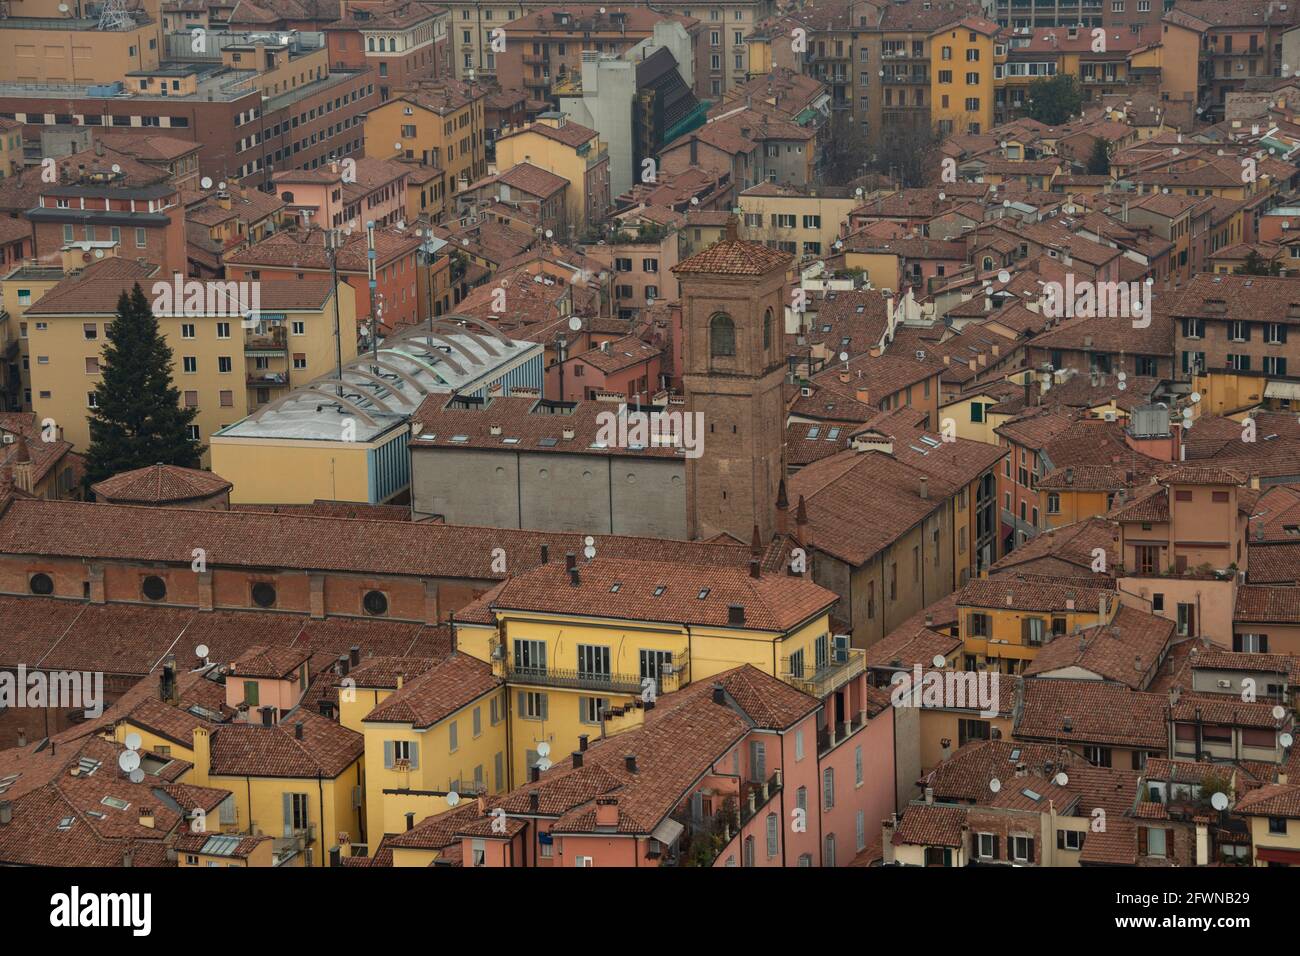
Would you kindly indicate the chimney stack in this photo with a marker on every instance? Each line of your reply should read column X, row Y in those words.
column 577, row 759
column 534, row 799
column 570, row 561
column 573, row 577
column 629, row 761
column 355, row 655
column 719, row 694
column 582, row 741
column 297, row 731
column 754, row 568
column 925, row 488
column 546, row 554
column 410, row 819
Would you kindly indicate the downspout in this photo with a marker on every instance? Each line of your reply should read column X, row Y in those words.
column 320, row 788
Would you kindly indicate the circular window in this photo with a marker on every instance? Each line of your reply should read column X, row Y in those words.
column 544, row 473
column 375, row 602
column 41, row 584
column 154, row 588
column 264, row 594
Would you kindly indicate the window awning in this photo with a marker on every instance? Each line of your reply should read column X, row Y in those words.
column 1289, row 390
column 667, row 831
column 1274, row 855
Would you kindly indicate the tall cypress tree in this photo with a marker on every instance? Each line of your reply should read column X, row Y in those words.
column 139, row 420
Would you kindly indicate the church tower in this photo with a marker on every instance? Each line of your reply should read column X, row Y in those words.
column 733, row 308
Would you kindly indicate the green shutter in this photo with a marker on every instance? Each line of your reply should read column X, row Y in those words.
column 388, row 755
column 288, row 813
column 414, row 749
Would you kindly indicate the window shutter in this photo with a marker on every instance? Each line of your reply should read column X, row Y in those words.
column 1282, row 334
column 1169, row 843
column 997, row 848
column 545, row 705
column 1142, row 841
column 1263, row 643
column 415, row 755
column 1245, row 331
column 523, row 704
column 1031, row 850
column 287, row 801
column 1060, row 839
column 388, row 755
column 1024, row 630
column 1236, row 642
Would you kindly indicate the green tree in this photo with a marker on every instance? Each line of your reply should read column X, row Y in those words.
column 1257, row 265
column 1054, row 99
column 138, row 420
column 1099, row 158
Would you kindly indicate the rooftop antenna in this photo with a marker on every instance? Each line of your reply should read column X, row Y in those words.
column 113, row 15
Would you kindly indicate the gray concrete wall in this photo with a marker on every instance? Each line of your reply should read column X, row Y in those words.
column 551, row 491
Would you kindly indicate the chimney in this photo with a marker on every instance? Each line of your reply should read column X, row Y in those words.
column 268, row 716
column 22, row 737
column 355, row 654
column 925, row 488
column 736, row 615
column 754, row 568
column 582, row 741
column 297, row 730
column 577, row 759
column 128, row 858
column 534, row 799
column 573, row 577
column 146, row 817
column 607, row 811
column 719, row 694
column 929, row 796
column 534, row 774
column 733, row 228
column 410, row 819
column 570, row 561
column 167, row 682
column 546, row 554
column 342, row 668
column 336, row 856
column 782, row 509
column 629, row 761
column 6, row 812
column 802, row 530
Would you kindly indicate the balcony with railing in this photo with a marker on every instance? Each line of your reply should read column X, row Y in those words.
column 705, row 837
column 267, row 380
column 818, row 681
column 574, row 679
column 271, row 339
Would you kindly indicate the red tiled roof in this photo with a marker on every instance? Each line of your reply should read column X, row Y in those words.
column 626, row 589
column 160, row 483
column 437, row 693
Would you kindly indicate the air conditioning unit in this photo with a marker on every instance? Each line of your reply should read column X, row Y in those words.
column 920, row 355
column 499, row 652
column 1225, row 684
column 8, row 439
column 667, row 670
column 1110, row 416
column 805, row 391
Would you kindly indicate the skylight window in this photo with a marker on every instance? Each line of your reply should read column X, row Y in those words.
column 116, row 803
column 459, row 438
column 704, row 592
column 660, row 590
column 927, row 440
column 614, row 588
column 814, row 431
column 548, row 442
column 66, row 823
column 510, row 441
column 1032, row 795
column 833, row 434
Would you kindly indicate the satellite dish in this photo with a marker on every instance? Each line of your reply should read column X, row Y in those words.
column 63, row 8
column 453, row 798
column 995, row 784
column 1278, row 710
column 133, row 741
column 1062, row 779
column 543, row 749
column 1286, row 740
column 1219, row 801
column 939, row 660
column 844, row 356
column 543, row 764
column 128, row 760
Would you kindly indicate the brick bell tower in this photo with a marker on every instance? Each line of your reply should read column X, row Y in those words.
column 733, row 307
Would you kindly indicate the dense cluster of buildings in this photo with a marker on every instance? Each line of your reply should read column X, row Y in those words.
column 732, row 435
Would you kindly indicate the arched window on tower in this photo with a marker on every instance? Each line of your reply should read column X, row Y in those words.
column 767, row 330
column 722, row 335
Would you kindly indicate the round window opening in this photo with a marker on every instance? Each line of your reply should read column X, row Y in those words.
column 375, row 602
column 264, row 594
column 41, row 584
column 154, row 588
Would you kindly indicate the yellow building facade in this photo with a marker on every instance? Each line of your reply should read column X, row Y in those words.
column 961, row 77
